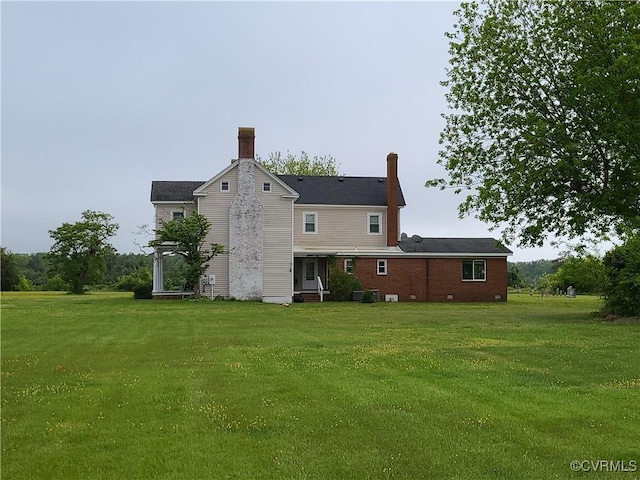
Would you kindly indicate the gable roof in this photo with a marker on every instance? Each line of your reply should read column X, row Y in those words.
column 325, row 190
column 417, row 244
column 313, row 190
column 199, row 191
column 173, row 191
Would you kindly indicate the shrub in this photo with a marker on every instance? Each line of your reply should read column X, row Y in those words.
column 368, row 297
column 341, row 284
column 137, row 277
column 143, row 291
column 56, row 284
column 140, row 282
column 24, row 285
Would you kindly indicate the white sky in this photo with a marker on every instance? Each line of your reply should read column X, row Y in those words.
column 99, row 99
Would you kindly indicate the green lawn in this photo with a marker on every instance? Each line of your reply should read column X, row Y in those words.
column 104, row 387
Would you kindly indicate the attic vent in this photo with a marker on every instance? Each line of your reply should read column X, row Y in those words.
column 341, row 179
column 380, row 180
column 300, row 179
column 416, row 238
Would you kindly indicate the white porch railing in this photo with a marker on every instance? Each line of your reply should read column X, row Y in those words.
column 320, row 289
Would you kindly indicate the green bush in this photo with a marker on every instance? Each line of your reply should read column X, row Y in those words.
column 140, row 276
column 622, row 290
column 341, row 284
column 143, row 291
column 56, row 284
column 24, row 285
column 368, row 297
column 140, row 282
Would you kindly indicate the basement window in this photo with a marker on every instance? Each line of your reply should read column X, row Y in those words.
column 474, row 270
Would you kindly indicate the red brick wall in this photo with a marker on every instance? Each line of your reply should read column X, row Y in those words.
column 405, row 277
column 433, row 279
column 445, row 278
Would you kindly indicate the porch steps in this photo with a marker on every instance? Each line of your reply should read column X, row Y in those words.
column 313, row 296
column 310, row 297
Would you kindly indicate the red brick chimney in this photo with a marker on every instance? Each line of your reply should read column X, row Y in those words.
column 392, row 199
column 246, row 138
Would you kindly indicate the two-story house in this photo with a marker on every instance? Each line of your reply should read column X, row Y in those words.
column 280, row 231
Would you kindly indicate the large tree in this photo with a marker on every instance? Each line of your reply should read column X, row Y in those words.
column 186, row 237
column 543, row 132
column 9, row 269
column 300, row 165
column 80, row 249
column 622, row 270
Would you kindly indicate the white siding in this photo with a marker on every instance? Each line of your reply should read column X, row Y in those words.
column 164, row 211
column 215, row 206
column 340, row 226
column 277, row 255
column 277, row 247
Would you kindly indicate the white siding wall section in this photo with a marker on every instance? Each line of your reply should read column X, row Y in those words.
column 277, row 259
column 339, row 226
column 215, row 206
column 164, row 211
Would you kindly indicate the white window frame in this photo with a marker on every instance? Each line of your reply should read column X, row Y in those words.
column 349, row 266
column 369, row 216
column 266, row 187
column 223, row 183
column 382, row 262
column 473, row 270
column 181, row 212
column 315, row 223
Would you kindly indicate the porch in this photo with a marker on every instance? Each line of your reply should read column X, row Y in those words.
column 159, row 291
column 310, row 278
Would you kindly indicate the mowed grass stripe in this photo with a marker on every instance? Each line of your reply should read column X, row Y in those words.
column 102, row 386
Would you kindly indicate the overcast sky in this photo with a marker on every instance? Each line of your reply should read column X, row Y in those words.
column 99, row 99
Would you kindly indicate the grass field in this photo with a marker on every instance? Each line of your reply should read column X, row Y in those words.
column 104, row 387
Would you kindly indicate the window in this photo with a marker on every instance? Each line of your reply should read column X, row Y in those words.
column 177, row 215
column 374, row 224
column 224, row 186
column 474, row 270
column 348, row 266
column 382, row 266
column 310, row 221
column 266, row 186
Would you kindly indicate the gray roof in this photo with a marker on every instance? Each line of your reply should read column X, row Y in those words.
column 313, row 190
column 321, row 190
column 173, row 191
column 419, row 244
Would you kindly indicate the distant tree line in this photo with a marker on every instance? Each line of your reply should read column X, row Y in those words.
column 585, row 272
column 33, row 271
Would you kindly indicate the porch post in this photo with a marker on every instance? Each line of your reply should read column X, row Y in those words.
column 326, row 273
column 158, row 274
